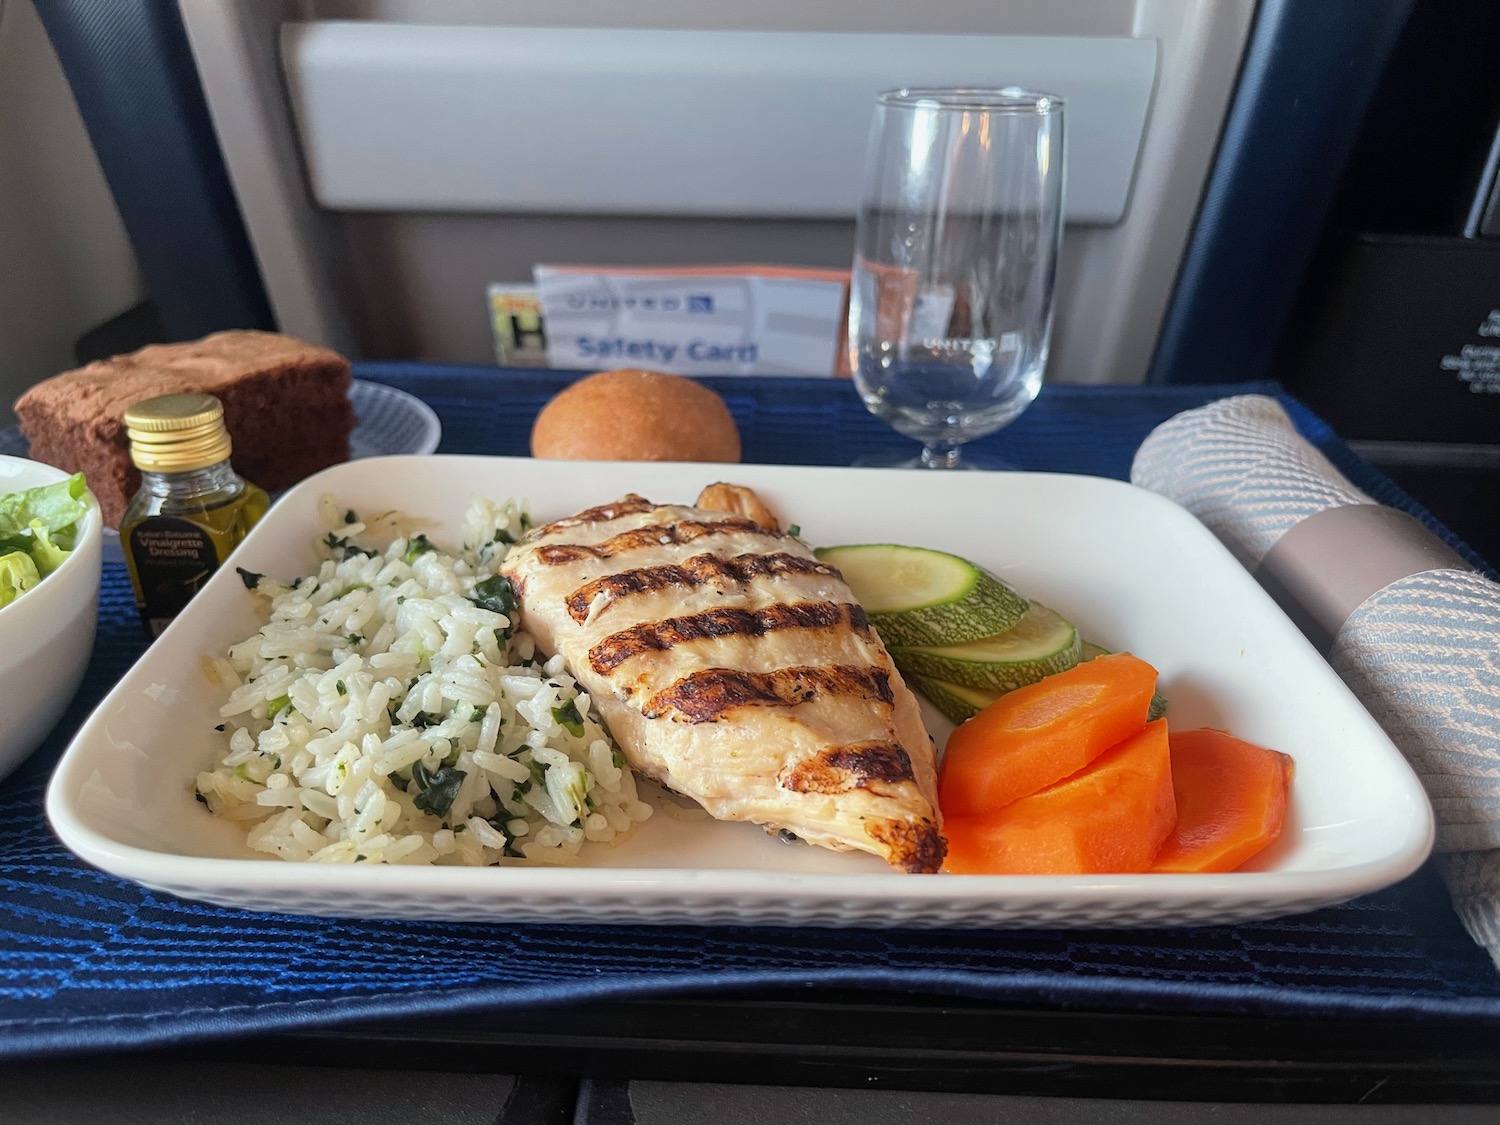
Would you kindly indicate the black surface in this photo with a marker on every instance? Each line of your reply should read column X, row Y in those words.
column 670, row 1103
column 864, row 1040
column 1420, row 160
column 1396, row 291
column 605, row 1101
column 134, row 328
column 1402, row 346
column 540, row 1100
column 163, row 1089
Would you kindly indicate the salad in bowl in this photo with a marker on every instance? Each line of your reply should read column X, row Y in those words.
column 39, row 529
column 51, row 535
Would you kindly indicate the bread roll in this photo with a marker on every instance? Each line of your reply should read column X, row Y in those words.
column 635, row 415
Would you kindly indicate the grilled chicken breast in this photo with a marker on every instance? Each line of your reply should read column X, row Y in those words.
column 735, row 668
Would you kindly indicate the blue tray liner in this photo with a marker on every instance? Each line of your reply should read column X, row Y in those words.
column 89, row 962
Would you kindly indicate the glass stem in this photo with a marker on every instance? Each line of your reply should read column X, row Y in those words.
column 940, row 456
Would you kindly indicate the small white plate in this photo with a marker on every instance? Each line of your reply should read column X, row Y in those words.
column 1132, row 569
column 390, row 422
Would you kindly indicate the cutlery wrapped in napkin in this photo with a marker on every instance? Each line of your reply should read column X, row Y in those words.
column 1407, row 623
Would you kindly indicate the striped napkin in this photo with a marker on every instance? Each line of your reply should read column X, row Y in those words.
column 1422, row 652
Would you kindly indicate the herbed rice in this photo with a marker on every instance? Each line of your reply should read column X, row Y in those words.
column 390, row 712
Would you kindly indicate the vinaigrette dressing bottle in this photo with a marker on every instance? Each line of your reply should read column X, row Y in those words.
column 192, row 508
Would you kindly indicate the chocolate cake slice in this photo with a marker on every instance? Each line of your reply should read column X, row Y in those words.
column 286, row 404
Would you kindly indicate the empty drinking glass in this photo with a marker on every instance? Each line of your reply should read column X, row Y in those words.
column 950, row 311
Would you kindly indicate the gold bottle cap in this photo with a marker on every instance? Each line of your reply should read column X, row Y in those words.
column 177, row 433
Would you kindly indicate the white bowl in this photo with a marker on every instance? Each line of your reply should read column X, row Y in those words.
column 47, row 634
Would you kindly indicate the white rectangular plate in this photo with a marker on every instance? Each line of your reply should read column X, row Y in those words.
column 1133, row 570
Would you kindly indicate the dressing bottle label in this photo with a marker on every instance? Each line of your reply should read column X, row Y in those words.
column 173, row 559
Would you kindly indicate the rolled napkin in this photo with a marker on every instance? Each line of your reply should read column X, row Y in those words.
column 1240, row 466
column 1405, row 621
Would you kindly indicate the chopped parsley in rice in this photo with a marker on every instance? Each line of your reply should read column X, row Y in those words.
column 390, row 711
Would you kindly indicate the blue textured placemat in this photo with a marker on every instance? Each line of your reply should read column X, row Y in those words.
column 90, row 962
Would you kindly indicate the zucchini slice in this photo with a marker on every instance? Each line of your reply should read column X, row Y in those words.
column 916, row 596
column 953, row 700
column 1041, row 643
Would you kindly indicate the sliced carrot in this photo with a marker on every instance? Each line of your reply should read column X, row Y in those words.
column 1109, row 817
column 1231, row 801
column 1039, row 734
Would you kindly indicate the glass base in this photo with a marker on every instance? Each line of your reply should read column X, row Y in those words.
column 965, row 459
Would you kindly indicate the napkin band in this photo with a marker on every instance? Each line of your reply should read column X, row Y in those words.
column 1327, row 564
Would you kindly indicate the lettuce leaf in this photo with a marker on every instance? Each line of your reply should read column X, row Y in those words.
column 17, row 575
column 38, row 529
column 47, row 555
column 58, row 506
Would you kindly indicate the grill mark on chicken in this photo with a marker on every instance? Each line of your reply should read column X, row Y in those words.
column 654, row 535
column 855, row 765
column 915, row 846
column 689, row 574
column 709, row 695
column 627, row 505
column 662, row 636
